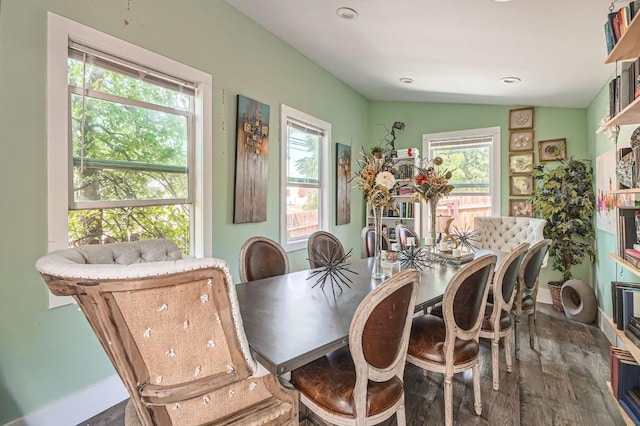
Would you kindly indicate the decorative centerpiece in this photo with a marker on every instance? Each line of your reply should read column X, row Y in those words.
column 431, row 183
column 377, row 183
column 334, row 269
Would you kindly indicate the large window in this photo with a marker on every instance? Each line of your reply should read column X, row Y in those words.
column 305, row 177
column 475, row 156
column 129, row 143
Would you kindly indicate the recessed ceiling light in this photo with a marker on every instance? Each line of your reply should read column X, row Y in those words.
column 406, row 80
column 510, row 80
column 502, row 1
column 346, row 13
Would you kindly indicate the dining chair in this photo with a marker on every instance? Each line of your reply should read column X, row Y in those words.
column 497, row 322
column 403, row 232
column 172, row 329
column 449, row 344
column 363, row 383
column 323, row 246
column 368, row 241
column 527, row 290
column 261, row 257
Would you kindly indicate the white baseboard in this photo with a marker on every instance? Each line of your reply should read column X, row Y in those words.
column 544, row 296
column 77, row 407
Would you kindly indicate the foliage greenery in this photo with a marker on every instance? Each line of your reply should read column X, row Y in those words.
column 565, row 198
column 128, row 137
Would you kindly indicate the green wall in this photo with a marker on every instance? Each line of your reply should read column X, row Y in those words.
column 549, row 123
column 47, row 355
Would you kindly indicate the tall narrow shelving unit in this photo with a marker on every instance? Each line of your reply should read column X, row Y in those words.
column 401, row 209
column 628, row 47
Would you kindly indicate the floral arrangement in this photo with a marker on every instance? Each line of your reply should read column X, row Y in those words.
column 376, row 179
column 431, row 181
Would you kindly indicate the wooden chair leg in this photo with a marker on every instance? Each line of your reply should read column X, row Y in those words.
column 401, row 418
column 516, row 327
column 495, row 361
column 507, row 352
column 532, row 330
column 476, row 388
column 448, row 400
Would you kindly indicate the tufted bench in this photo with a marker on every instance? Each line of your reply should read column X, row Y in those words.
column 504, row 233
column 173, row 331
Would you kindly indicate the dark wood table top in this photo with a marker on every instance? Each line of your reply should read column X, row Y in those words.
column 289, row 324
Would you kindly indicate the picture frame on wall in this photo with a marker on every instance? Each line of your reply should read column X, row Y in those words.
column 520, row 207
column 252, row 167
column 521, row 118
column 521, row 163
column 521, row 140
column 552, row 150
column 343, row 187
column 521, row 185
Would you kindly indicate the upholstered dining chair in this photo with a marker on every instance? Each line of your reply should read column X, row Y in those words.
column 363, row 384
column 527, row 290
column 449, row 345
column 261, row 257
column 322, row 246
column 402, row 233
column 172, row 329
column 368, row 241
column 497, row 322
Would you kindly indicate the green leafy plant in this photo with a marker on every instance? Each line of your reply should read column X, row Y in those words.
column 565, row 198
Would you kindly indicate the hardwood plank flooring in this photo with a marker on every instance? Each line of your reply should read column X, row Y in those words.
column 561, row 382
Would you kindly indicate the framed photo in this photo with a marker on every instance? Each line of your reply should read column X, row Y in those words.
column 521, row 163
column 520, row 119
column 520, row 208
column 521, row 140
column 521, row 185
column 552, row 150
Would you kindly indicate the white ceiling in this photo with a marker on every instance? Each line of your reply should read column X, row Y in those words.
column 454, row 50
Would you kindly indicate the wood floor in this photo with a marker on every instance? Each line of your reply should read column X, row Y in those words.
column 562, row 382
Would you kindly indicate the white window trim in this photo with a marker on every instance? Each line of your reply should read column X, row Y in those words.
column 494, row 178
column 59, row 31
column 324, row 168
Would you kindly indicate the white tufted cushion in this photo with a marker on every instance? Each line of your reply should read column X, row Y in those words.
column 504, row 233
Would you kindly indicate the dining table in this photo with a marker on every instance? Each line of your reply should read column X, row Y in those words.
column 293, row 319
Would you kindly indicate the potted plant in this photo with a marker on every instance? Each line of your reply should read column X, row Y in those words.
column 565, row 198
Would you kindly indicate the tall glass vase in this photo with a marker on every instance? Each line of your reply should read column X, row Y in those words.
column 433, row 207
column 376, row 271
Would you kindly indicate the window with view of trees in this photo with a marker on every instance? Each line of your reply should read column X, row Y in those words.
column 474, row 155
column 129, row 144
column 305, row 177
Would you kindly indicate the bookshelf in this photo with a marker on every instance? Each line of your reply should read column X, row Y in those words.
column 625, row 416
column 619, row 260
column 401, row 209
column 628, row 47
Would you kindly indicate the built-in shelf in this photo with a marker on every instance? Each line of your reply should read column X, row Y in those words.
column 626, row 191
column 628, row 344
column 628, row 47
column 627, row 266
column 629, row 115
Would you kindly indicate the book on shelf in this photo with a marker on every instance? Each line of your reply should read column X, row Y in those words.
column 627, row 405
column 617, row 356
column 407, row 153
column 632, row 337
column 617, row 300
column 635, row 262
column 626, row 94
column 633, row 253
